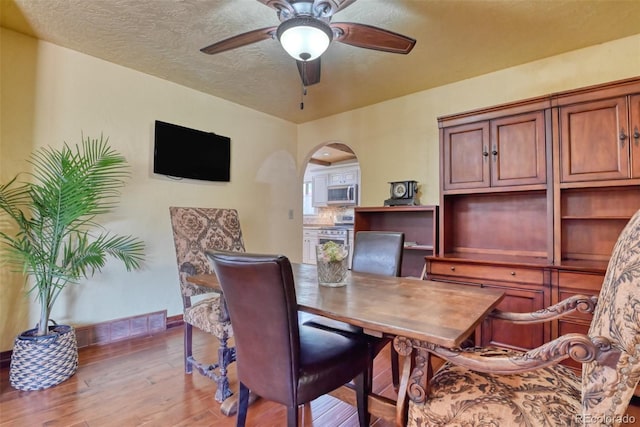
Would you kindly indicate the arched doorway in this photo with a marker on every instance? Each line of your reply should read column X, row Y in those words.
column 330, row 192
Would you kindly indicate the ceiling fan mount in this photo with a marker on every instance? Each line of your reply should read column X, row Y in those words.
column 306, row 30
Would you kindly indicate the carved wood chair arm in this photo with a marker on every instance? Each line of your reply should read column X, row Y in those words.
column 579, row 347
column 579, row 303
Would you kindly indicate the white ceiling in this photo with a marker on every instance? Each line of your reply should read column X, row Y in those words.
column 456, row 40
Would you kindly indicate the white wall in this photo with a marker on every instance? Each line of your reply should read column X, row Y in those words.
column 52, row 94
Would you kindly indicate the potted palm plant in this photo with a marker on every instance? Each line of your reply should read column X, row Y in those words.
column 55, row 241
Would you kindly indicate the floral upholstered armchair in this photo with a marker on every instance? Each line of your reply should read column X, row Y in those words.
column 194, row 231
column 494, row 387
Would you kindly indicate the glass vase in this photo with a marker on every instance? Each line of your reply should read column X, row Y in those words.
column 332, row 262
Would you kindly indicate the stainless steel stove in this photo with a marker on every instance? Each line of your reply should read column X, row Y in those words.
column 338, row 234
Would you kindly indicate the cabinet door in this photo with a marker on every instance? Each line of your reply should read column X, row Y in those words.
column 336, row 178
column 305, row 250
column 634, row 133
column 466, row 156
column 591, row 144
column 501, row 333
column 351, row 177
column 319, row 191
column 518, row 150
column 309, row 242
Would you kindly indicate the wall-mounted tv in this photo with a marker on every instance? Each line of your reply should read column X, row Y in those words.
column 188, row 153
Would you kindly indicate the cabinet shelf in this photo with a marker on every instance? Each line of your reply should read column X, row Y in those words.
column 419, row 248
column 418, row 223
column 596, row 218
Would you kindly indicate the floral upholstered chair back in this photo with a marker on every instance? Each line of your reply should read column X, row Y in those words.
column 606, row 391
column 194, row 231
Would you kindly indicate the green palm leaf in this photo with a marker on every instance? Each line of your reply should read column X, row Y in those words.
column 54, row 215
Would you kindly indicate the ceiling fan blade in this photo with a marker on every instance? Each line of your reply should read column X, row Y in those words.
column 309, row 71
column 369, row 37
column 240, row 40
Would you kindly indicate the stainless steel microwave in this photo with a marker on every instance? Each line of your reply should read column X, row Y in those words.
column 342, row 194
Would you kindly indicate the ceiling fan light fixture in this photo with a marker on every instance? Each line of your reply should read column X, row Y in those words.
column 304, row 38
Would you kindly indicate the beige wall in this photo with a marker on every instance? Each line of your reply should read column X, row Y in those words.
column 398, row 140
column 51, row 94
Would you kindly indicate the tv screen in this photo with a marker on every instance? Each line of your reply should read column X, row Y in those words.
column 189, row 153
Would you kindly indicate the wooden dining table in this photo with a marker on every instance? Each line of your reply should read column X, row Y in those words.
column 415, row 313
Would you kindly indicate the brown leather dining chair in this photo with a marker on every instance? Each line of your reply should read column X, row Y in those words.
column 509, row 388
column 194, row 231
column 375, row 252
column 277, row 358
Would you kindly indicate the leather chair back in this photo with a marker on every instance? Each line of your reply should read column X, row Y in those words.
column 267, row 356
column 378, row 252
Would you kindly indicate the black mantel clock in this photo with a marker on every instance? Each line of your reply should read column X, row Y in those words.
column 403, row 193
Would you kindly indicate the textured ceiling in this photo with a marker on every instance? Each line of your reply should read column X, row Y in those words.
column 456, row 39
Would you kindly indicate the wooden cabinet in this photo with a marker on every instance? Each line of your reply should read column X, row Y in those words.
column 418, row 223
column 319, row 190
column 465, row 153
column 600, row 139
column 548, row 206
column 506, row 151
column 590, row 220
column 565, row 284
column 598, row 186
column 526, row 289
column 309, row 242
column 634, row 132
column 494, row 193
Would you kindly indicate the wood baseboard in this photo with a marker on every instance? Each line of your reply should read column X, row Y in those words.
column 175, row 321
column 115, row 330
column 121, row 329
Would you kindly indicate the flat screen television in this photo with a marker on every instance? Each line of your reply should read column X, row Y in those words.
column 188, row 153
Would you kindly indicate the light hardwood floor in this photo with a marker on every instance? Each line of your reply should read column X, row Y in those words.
column 141, row 382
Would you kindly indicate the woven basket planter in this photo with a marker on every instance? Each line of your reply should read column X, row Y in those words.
column 42, row 362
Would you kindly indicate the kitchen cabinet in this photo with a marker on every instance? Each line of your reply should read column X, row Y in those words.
column 418, row 223
column 309, row 242
column 351, row 246
column 319, row 190
column 504, row 151
column 344, row 177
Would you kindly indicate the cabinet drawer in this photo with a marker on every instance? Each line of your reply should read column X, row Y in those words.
column 484, row 272
column 580, row 281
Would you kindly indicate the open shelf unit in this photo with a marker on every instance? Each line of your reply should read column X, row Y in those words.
column 418, row 223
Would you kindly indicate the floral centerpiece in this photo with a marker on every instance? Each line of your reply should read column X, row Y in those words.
column 332, row 263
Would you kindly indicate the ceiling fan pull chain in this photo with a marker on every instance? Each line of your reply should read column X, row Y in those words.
column 302, row 95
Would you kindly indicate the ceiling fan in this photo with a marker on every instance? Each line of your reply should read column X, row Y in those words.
column 306, row 30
